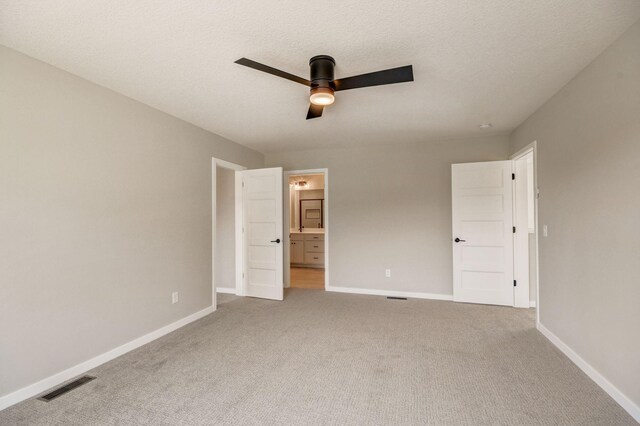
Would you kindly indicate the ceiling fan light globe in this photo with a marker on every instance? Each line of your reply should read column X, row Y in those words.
column 321, row 96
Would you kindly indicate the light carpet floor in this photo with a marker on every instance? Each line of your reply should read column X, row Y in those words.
column 338, row 359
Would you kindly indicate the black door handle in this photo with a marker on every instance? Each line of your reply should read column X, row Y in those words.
column 276, row 241
column 458, row 240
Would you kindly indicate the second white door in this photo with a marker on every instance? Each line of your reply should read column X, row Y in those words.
column 482, row 203
column 262, row 222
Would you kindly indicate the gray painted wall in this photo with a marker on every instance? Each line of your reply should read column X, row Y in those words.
column 390, row 207
column 533, row 272
column 105, row 210
column 225, row 261
column 589, row 177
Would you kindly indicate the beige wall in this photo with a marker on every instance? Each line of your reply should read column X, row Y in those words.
column 313, row 181
column 315, row 189
column 312, row 194
column 225, row 261
column 589, row 177
column 390, row 207
column 105, row 209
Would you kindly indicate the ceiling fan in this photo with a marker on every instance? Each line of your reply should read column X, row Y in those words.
column 323, row 85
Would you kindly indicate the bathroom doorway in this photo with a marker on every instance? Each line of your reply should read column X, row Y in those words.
column 306, row 262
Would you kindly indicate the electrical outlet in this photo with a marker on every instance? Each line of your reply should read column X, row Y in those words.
column 174, row 297
column 387, row 273
column 545, row 231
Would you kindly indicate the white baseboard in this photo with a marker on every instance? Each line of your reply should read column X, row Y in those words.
column 226, row 290
column 607, row 386
column 532, row 303
column 390, row 293
column 58, row 378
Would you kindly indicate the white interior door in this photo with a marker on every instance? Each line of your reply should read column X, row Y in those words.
column 263, row 221
column 482, row 197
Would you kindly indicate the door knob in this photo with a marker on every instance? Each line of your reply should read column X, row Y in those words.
column 276, row 241
column 458, row 240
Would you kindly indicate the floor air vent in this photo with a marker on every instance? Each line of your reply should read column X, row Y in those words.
column 396, row 298
column 66, row 388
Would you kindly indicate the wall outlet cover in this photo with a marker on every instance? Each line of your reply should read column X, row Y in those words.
column 174, row 297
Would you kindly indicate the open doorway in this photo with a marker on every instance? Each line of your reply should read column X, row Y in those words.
column 306, row 260
column 226, row 205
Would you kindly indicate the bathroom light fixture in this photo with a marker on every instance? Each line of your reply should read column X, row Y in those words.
column 485, row 126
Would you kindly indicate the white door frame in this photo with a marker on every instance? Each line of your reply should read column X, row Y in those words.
column 518, row 255
column 215, row 163
column 287, row 222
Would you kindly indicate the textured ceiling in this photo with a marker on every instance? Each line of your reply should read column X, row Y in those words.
column 474, row 61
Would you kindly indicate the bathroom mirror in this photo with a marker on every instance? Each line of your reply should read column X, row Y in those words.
column 311, row 214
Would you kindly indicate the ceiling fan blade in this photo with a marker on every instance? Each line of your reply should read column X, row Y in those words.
column 378, row 78
column 270, row 70
column 315, row 111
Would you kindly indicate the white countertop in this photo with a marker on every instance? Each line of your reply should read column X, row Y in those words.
column 306, row 231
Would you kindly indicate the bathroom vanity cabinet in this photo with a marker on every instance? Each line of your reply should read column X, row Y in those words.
column 307, row 249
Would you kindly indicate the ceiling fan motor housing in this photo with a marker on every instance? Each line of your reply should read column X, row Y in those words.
column 322, row 72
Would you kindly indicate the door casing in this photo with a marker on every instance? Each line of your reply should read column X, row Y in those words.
column 519, row 255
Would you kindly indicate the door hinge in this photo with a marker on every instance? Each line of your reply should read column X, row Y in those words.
column 515, row 283
column 514, row 229
column 513, row 176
